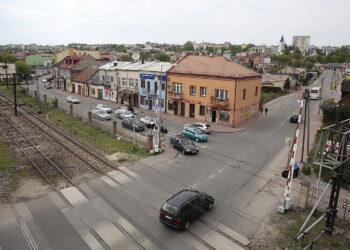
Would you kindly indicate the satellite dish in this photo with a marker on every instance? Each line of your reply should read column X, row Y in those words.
column 135, row 56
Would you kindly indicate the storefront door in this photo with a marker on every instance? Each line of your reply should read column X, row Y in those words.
column 182, row 112
column 100, row 94
column 213, row 115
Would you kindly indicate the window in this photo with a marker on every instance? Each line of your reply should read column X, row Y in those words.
column 155, row 87
column 203, row 91
column 142, row 100
column 163, row 85
column 124, row 81
column 162, row 103
column 177, row 87
column 92, row 91
column 256, row 91
column 143, row 83
column 136, row 83
column 221, row 94
column 201, row 110
column 131, row 82
column 118, row 81
column 103, row 78
column 225, row 115
column 111, row 78
column 192, row 90
column 112, row 94
column 244, row 93
column 170, row 106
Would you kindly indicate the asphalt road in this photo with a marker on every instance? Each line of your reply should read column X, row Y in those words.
column 234, row 168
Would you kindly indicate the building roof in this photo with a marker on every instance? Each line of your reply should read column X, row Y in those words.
column 282, row 39
column 113, row 65
column 135, row 66
column 84, row 75
column 158, row 67
column 211, row 66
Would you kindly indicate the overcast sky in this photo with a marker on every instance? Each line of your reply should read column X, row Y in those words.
column 167, row 21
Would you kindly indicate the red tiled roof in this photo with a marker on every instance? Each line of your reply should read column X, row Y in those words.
column 211, row 66
column 84, row 75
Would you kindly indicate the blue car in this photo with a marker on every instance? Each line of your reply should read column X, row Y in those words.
column 194, row 133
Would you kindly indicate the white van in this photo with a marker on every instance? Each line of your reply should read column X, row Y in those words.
column 315, row 93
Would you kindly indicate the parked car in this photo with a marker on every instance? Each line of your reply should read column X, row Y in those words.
column 72, row 99
column 205, row 127
column 294, row 118
column 194, row 133
column 44, row 80
column 124, row 113
column 185, row 206
column 100, row 115
column 130, row 122
column 130, row 108
column 48, row 85
column 149, row 121
column 183, row 144
column 104, row 107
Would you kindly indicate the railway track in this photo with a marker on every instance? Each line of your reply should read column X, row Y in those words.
column 98, row 163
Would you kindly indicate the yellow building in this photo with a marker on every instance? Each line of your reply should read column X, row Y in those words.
column 213, row 89
column 71, row 51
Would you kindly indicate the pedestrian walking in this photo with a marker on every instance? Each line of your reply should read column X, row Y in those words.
column 266, row 110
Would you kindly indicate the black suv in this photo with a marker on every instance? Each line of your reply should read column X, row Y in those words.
column 183, row 207
column 185, row 145
column 129, row 123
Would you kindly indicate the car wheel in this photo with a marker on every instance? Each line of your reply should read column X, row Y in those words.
column 187, row 225
column 210, row 206
column 196, row 139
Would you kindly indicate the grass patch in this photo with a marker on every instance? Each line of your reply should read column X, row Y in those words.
column 266, row 97
column 7, row 156
column 95, row 137
column 289, row 223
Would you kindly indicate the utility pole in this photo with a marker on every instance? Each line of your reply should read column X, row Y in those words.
column 336, row 180
column 7, row 78
column 15, row 93
column 319, row 104
column 306, row 96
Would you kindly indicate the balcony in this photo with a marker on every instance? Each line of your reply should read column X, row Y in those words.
column 217, row 102
column 175, row 95
column 146, row 92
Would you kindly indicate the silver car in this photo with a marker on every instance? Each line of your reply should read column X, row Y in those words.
column 205, row 127
column 72, row 99
column 148, row 120
column 100, row 115
column 104, row 107
column 123, row 113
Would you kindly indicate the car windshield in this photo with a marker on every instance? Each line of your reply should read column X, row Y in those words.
column 185, row 142
column 151, row 119
column 170, row 209
column 198, row 131
column 127, row 112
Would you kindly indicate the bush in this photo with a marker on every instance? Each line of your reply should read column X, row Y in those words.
column 54, row 102
column 267, row 89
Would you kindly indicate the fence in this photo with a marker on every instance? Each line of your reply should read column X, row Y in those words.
column 343, row 201
column 140, row 138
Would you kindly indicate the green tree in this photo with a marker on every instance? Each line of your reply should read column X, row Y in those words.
column 287, row 84
column 188, row 46
column 22, row 67
column 297, row 64
column 8, row 58
column 163, row 57
column 126, row 58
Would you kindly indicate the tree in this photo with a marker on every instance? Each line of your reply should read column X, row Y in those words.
column 126, row 58
column 22, row 67
column 163, row 57
column 287, row 84
column 8, row 58
column 188, row 46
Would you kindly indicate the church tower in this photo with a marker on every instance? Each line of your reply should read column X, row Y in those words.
column 281, row 45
